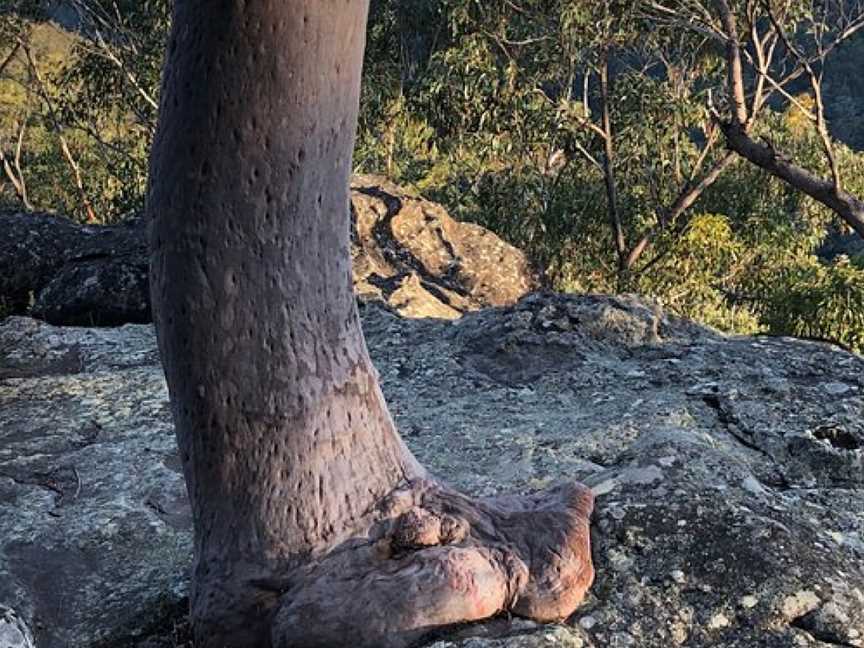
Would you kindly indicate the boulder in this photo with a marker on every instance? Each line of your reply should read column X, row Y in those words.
column 33, row 248
column 412, row 254
column 79, row 275
column 406, row 250
column 727, row 470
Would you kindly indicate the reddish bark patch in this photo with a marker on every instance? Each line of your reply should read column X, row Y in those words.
column 437, row 558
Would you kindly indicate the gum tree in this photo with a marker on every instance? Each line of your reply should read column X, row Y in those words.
column 769, row 45
column 314, row 524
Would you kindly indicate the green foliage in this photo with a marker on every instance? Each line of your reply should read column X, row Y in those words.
column 819, row 301
column 96, row 88
column 493, row 129
column 700, row 275
column 404, row 149
column 110, row 94
column 23, row 112
column 483, row 106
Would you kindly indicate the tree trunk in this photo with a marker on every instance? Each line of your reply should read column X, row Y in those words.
column 311, row 517
column 609, row 171
column 847, row 206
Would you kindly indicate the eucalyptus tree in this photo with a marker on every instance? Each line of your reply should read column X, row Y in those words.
column 12, row 134
column 769, row 45
column 314, row 524
column 595, row 113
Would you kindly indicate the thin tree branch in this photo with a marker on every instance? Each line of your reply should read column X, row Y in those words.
column 608, row 162
column 58, row 130
column 13, row 170
column 684, row 201
column 9, row 57
column 845, row 205
column 816, row 85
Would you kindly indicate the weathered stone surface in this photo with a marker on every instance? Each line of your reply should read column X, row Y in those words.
column 14, row 633
column 33, row 247
column 103, row 282
column 727, row 470
column 72, row 274
column 94, row 526
column 516, row 634
column 406, row 251
column 411, row 253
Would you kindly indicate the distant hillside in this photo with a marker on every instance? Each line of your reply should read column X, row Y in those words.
column 64, row 14
column 844, row 91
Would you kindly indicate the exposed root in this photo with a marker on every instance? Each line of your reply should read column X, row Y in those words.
column 432, row 557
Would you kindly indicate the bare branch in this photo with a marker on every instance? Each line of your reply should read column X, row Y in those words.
column 608, row 162
column 58, row 130
column 685, row 200
column 9, row 57
column 101, row 22
column 845, row 205
column 816, row 86
column 13, row 169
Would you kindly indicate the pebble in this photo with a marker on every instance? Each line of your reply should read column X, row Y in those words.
column 587, row 622
column 752, row 485
column 836, row 388
column 718, row 621
column 622, row 639
column 749, row 601
column 14, row 633
column 800, row 603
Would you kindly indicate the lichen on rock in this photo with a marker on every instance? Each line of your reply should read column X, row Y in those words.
column 726, row 470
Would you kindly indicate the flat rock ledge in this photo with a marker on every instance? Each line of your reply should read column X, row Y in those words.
column 727, row 470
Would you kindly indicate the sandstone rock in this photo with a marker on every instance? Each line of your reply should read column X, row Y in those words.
column 94, row 524
column 406, row 250
column 529, row 636
column 729, row 484
column 33, row 247
column 460, row 265
column 103, row 283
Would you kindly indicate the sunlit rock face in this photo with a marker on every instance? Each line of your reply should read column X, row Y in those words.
column 412, row 254
column 727, row 471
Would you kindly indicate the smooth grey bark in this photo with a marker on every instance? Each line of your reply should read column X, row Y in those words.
column 305, row 500
column 272, row 387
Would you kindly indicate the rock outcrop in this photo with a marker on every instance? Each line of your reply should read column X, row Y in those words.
column 409, row 252
column 72, row 274
column 406, row 250
column 727, row 470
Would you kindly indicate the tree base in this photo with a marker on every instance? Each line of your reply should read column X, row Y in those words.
column 431, row 557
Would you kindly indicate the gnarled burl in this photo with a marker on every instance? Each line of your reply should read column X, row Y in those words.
column 314, row 525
